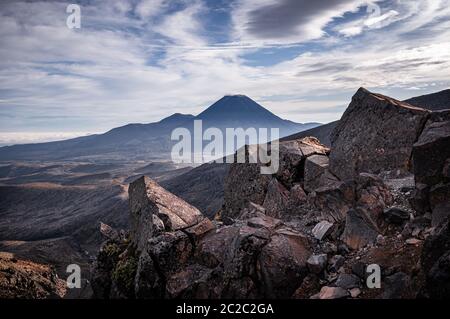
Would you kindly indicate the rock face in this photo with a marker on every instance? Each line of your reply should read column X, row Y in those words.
column 436, row 263
column 358, row 232
column 431, row 158
column 148, row 200
column 21, row 279
column 245, row 183
column 375, row 134
column 257, row 256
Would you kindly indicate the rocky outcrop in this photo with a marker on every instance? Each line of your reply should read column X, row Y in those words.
column 436, row 263
column 307, row 231
column 20, row 279
column 256, row 256
column 431, row 158
column 150, row 203
column 245, row 183
column 375, row 134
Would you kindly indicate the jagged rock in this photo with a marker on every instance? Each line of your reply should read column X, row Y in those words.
column 434, row 261
column 148, row 281
column 108, row 232
column 438, row 278
column 276, row 201
column 282, row 263
column 397, row 286
column 358, row 232
column 431, row 152
column 333, row 293
column 431, row 156
column 316, row 173
column 333, row 201
column 198, row 231
column 243, row 184
column 292, row 156
column 396, row 216
column 440, row 203
column 420, row 198
column 170, row 251
column 336, row 262
column 375, row 134
column 147, row 198
column 372, row 196
column 297, row 196
column 359, row 269
column 355, row 292
column 348, row 281
column 309, row 286
column 317, row 263
column 322, row 230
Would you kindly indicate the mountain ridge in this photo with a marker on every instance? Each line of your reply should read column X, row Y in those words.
column 143, row 141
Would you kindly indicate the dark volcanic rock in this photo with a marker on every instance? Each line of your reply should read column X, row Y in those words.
column 396, row 216
column 431, row 152
column 431, row 156
column 375, row 134
column 358, row 232
column 277, row 199
column 256, row 257
column 245, row 183
column 147, row 198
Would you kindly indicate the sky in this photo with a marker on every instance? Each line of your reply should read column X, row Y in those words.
column 138, row 61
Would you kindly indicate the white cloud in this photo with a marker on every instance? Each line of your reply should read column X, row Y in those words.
column 118, row 69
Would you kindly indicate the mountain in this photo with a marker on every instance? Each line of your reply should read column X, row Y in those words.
column 322, row 132
column 153, row 140
column 433, row 102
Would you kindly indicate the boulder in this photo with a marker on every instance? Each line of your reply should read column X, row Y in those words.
column 439, row 203
column 243, row 184
column 372, row 196
column 396, row 216
column 282, row 264
column 375, row 134
column 431, row 152
column 333, row 293
column 292, row 157
column 358, row 232
column 322, row 229
column 317, row 263
column 277, row 199
column 348, row 281
column 316, row 172
column 336, row 262
column 397, row 286
column 109, row 233
column 147, row 198
column 333, row 201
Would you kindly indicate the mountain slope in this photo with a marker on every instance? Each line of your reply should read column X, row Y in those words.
column 434, row 102
column 151, row 141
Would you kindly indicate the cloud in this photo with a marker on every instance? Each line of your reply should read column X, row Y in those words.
column 130, row 63
column 288, row 21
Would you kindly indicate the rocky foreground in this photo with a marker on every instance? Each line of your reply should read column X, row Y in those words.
column 380, row 195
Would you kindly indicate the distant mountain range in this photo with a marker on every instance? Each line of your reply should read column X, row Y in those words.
column 151, row 141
